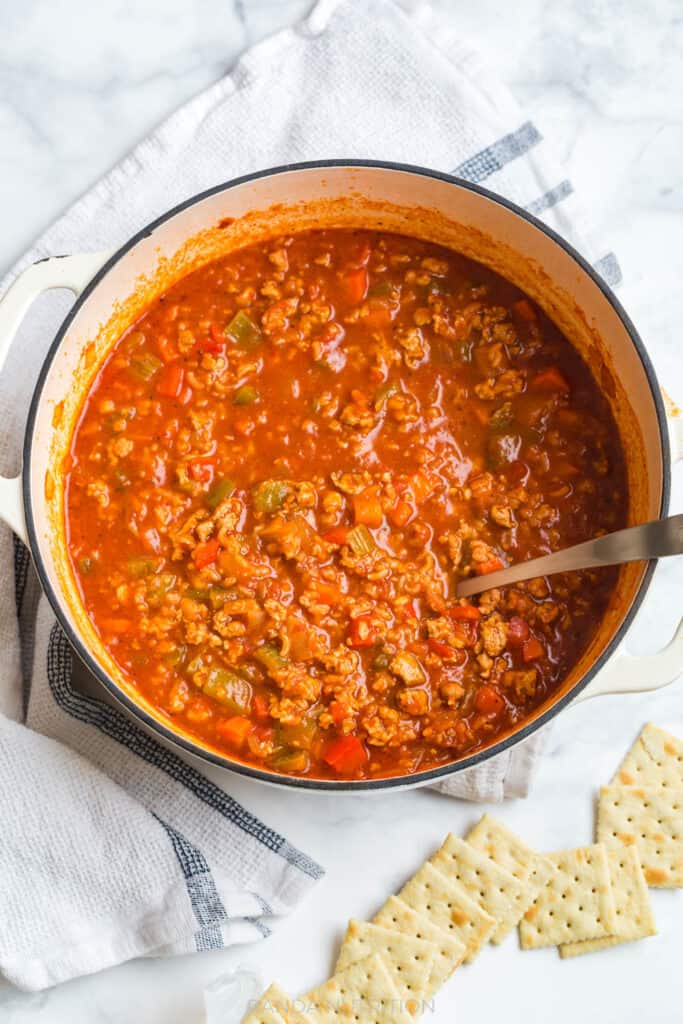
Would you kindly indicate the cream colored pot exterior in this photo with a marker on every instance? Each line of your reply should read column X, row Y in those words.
column 115, row 288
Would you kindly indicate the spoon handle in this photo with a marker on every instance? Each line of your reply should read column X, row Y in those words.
column 657, row 539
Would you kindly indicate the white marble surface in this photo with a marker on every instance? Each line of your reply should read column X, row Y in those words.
column 79, row 84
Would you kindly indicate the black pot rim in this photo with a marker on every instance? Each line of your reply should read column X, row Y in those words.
column 343, row 786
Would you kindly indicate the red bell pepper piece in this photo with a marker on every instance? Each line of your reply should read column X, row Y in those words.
column 362, row 632
column 170, row 381
column 423, row 485
column 217, row 335
column 205, row 554
column 409, row 610
column 401, row 514
column 346, row 755
column 337, row 535
column 202, row 470
column 167, row 349
column 327, row 593
column 259, row 707
column 466, row 631
column 367, row 508
column 440, row 648
column 338, row 712
column 516, row 471
column 551, row 379
column 518, row 631
column 235, row 730
column 490, row 565
column 356, row 284
column 488, row 701
column 532, row 649
column 524, row 310
column 214, row 344
column 464, row 612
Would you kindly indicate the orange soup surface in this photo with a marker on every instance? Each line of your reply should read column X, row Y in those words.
column 286, row 465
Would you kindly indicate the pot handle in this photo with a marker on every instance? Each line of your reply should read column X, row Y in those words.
column 676, row 436
column 627, row 673
column 72, row 272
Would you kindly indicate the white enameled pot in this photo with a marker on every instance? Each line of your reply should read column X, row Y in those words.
column 112, row 289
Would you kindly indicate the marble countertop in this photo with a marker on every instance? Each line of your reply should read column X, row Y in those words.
column 80, row 83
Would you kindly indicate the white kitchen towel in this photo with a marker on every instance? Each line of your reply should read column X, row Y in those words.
column 110, row 845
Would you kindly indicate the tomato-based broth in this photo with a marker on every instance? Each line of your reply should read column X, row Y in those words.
column 285, row 466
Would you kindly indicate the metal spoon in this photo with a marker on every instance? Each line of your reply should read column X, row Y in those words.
column 657, row 539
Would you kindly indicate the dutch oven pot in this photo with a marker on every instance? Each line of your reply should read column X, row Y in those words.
column 112, row 289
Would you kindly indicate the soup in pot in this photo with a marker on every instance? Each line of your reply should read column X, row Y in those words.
column 285, row 466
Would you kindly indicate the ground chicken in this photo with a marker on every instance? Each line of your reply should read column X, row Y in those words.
column 403, row 408
column 508, row 385
column 386, row 727
column 276, row 317
column 451, row 692
column 503, row 516
column 414, row 701
column 489, row 601
column 291, row 538
column 358, row 414
column 485, row 663
column 196, row 633
column 448, row 730
column 227, row 515
column 278, row 257
column 374, row 565
column 494, row 634
column 120, row 447
column 437, row 267
column 408, row 668
column 340, row 661
column 444, row 630
column 522, row 681
column 295, row 681
column 288, row 710
column 382, row 683
column 482, row 552
column 178, row 696
column 547, row 612
column 454, row 541
column 98, row 490
column 351, row 483
column 537, row 587
column 415, row 347
column 491, row 359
